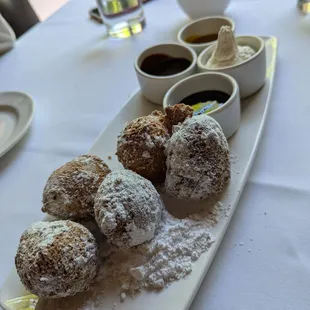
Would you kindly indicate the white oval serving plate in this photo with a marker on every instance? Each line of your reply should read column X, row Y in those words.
column 243, row 146
column 16, row 114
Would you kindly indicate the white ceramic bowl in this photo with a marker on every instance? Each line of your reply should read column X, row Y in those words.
column 249, row 74
column 155, row 87
column 203, row 26
column 201, row 8
column 228, row 115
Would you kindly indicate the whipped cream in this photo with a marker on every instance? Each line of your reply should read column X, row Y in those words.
column 227, row 52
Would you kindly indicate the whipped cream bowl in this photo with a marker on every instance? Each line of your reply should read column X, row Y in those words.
column 243, row 57
column 201, row 29
column 227, row 114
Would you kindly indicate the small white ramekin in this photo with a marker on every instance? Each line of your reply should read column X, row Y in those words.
column 249, row 74
column 155, row 87
column 203, row 26
column 228, row 115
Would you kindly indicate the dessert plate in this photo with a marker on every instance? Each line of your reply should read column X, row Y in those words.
column 243, row 145
column 16, row 113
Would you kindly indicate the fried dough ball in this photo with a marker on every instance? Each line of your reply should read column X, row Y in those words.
column 177, row 114
column 141, row 146
column 57, row 259
column 70, row 190
column 127, row 208
column 198, row 163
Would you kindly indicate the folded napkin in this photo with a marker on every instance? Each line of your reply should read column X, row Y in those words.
column 7, row 36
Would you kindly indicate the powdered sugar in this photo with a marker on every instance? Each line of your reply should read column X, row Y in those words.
column 168, row 257
column 146, row 154
column 127, row 208
column 149, row 141
column 244, row 53
column 47, row 231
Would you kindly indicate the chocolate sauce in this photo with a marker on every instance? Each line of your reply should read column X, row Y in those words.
column 164, row 65
column 206, row 95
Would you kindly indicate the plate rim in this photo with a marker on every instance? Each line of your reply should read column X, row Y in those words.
column 26, row 125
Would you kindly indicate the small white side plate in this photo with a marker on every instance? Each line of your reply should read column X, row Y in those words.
column 16, row 113
column 7, row 36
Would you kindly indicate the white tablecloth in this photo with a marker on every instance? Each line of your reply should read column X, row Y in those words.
column 79, row 81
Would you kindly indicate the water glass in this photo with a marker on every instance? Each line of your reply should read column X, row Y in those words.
column 304, row 6
column 123, row 18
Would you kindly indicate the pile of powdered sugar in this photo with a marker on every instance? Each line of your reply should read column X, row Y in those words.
column 168, row 257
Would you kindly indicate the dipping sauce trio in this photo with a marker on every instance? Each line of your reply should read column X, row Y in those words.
column 226, row 53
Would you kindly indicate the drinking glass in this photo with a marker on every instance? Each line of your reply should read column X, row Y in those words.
column 123, row 18
column 304, row 6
